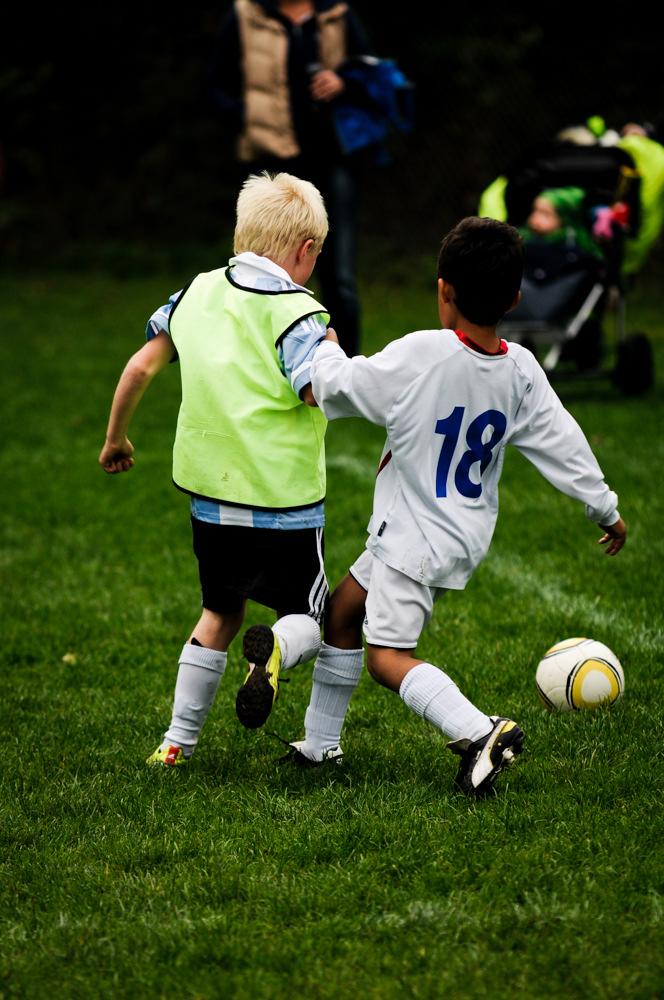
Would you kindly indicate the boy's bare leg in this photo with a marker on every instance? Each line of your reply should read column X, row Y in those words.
column 390, row 666
column 202, row 665
column 345, row 614
column 217, row 631
column 336, row 673
column 429, row 692
column 486, row 745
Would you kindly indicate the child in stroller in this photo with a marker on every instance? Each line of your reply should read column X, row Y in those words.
column 564, row 271
column 575, row 206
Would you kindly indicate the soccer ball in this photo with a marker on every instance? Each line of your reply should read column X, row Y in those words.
column 579, row 673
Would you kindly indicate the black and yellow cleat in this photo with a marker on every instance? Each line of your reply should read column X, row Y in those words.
column 258, row 694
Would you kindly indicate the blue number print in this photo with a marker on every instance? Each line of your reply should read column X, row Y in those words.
column 450, row 427
column 478, row 450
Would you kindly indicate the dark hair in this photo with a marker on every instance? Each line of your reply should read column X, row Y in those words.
column 483, row 260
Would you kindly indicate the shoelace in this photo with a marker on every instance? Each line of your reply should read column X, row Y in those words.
column 293, row 753
column 276, row 736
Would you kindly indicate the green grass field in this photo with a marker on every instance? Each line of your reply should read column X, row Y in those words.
column 238, row 878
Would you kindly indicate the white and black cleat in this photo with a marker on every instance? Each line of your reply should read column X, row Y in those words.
column 311, row 758
column 483, row 760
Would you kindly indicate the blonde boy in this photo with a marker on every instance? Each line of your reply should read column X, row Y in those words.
column 248, row 449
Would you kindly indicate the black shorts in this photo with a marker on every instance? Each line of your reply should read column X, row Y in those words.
column 282, row 570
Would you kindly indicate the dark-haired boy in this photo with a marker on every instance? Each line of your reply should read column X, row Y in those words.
column 450, row 400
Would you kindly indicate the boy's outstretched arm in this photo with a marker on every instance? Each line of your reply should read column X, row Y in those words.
column 615, row 535
column 116, row 455
column 307, row 394
column 549, row 437
column 362, row 386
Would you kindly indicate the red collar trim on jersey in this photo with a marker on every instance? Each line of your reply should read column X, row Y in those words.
column 465, row 339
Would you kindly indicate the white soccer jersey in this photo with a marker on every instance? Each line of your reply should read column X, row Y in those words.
column 449, row 412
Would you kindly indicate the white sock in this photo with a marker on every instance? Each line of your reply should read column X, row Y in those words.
column 429, row 692
column 200, row 671
column 298, row 637
column 336, row 675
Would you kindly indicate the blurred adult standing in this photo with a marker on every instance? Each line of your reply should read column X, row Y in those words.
column 278, row 72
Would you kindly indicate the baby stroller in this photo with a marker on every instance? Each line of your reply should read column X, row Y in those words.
column 567, row 291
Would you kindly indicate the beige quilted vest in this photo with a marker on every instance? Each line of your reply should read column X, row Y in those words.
column 268, row 125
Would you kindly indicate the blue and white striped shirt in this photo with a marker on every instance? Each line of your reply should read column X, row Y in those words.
column 295, row 354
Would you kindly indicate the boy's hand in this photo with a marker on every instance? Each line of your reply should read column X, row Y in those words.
column 116, row 457
column 331, row 335
column 615, row 535
column 307, row 395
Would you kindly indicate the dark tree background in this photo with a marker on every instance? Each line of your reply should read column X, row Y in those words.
column 108, row 133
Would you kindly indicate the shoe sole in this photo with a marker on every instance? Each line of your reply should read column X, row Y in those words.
column 256, row 697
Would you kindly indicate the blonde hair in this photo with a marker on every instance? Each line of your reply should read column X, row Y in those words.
column 276, row 213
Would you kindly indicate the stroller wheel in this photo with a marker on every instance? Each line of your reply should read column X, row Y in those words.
column 634, row 373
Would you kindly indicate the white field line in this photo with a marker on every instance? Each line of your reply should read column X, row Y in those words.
column 533, row 583
column 588, row 615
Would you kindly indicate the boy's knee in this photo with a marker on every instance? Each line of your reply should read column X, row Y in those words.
column 378, row 662
column 389, row 666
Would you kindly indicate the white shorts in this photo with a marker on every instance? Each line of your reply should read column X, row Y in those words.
column 398, row 608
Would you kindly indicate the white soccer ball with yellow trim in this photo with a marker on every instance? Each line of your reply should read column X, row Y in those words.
column 579, row 673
